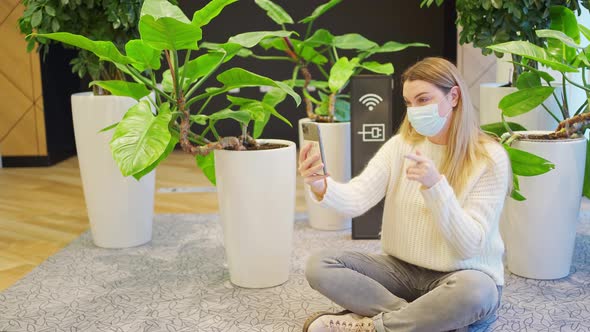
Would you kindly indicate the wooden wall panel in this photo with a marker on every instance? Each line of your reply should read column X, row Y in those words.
column 22, row 121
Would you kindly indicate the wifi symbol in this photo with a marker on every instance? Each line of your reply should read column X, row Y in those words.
column 370, row 100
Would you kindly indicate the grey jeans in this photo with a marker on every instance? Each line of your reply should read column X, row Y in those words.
column 401, row 296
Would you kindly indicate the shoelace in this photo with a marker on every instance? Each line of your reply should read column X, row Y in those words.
column 350, row 327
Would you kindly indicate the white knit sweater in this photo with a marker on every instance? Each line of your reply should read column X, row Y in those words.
column 431, row 228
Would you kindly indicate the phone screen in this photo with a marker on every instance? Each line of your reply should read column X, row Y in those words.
column 311, row 135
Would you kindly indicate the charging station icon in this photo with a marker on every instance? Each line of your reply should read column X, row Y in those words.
column 373, row 132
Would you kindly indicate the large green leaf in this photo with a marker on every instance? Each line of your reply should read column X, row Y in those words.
column 238, row 78
column 251, row 106
column 527, row 164
column 200, row 119
column 251, row 39
column 105, row 50
column 342, row 110
column 257, row 108
column 272, row 98
column 393, row 46
column 379, row 68
column 321, row 37
column 207, row 165
column 533, row 52
column 562, row 20
column 353, row 41
column 171, row 145
column 193, row 70
column 585, row 31
column 168, row 33
column 140, row 138
column 123, row 88
column 341, row 73
column 560, row 36
column 586, row 188
column 143, row 55
column 317, row 84
column 543, row 74
column 240, row 116
column 308, row 53
column 305, row 51
column 528, row 80
column 162, row 8
column 275, row 12
column 499, row 129
column 204, row 15
column 523, row 101
column 320, row 10
column 230, row 49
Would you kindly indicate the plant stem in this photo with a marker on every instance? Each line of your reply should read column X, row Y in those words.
column 212, row 126
column 176, row 75
column 566, row 114
column 183, row 74
column 323, row 71
column 135, row 73
column 335, row 53
column 558, row 103
column 308, row 30
column 153, row 75
column 550, row 113
column 264, row 57
column 294, row 75
column 581, row 108
column 204, row 78
column 576, row 84
column 204, row 104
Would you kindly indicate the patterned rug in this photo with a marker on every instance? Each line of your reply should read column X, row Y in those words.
column 178, row 282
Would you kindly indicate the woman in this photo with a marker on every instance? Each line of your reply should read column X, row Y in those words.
column 444, row 183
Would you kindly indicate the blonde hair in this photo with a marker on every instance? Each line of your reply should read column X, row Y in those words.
column 466, row 139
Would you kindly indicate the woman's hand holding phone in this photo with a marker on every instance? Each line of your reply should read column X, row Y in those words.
column 308, row 168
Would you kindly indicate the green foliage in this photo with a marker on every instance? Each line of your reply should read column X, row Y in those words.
column 561, row 51
column 151, row 129
column 111, row 20
column 319, row 48
column 489, row 22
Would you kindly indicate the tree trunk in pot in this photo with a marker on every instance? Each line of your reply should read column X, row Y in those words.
column 120, row 209
column 336, row 141
column 256, row 192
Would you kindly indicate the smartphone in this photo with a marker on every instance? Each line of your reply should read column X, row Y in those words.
column 311, row 134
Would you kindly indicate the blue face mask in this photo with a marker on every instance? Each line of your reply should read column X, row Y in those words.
column 426, row 119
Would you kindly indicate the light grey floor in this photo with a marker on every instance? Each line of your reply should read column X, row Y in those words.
column 178, row 283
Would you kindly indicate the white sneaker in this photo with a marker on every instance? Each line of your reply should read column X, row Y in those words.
column 339, row 322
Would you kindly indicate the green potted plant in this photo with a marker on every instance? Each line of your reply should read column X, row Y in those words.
column 325, row 98
column 488, row 22
column 117, row 207
column 540, row 237
column 246, row 170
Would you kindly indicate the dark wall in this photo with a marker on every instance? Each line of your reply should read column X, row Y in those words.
column 378, row 20
column 59, row 83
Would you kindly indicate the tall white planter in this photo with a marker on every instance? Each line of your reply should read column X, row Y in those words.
column 336, row 141
column 540, row 232
column 256, row 192
column 120, row 209
column 537, row 119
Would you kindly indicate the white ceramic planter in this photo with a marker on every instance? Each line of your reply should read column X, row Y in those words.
column 537, row 119
column 336, row 141
column 256, row 192
column 540, row 232
column 120, row 209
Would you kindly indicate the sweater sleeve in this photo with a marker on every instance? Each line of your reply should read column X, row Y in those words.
column 363, row 191
column 467, row 227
